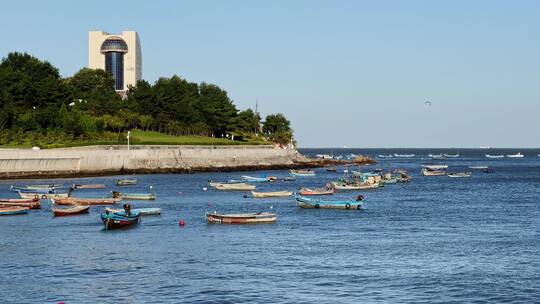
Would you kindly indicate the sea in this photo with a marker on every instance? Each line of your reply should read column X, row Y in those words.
column 433, row 240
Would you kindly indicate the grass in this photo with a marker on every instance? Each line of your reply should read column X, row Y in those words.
column 138, row 137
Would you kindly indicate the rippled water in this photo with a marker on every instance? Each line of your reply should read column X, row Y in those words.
column 436, row 239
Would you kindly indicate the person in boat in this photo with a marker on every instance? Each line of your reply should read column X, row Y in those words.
column 127, row 209
column 360, row 198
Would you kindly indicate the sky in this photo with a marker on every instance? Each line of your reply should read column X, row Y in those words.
column 346, row 73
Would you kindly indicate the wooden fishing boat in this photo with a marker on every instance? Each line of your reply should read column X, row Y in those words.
column 302, row 173
column 271, row 194
column 429, row 172
column 318, row 191
column 115, row 220
column 385, row 155
column 241, row 218
column 354, row 185
column 451, row 155
column 28, row 190
column 134, row 196
column 34, row 195
column 13, row 210
column 143, row 211
column 86, row 201
column 306, row 202
column 38, row 188
column 234, row 187
column 460, row 174
column 19, row 200
column 253, row 179
column 75, row 210
column 331, row 169
column 404, row 155
column 30, row 204
column 126, row 182
column 88, row 186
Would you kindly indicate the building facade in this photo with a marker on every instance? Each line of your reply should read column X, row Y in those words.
column 120, row 55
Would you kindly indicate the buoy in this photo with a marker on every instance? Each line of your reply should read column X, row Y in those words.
column 181, row 223
column 205, row 189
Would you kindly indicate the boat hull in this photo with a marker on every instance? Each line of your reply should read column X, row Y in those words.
column 246, row 218
column 86, row 201
column 71, row 211
column 308, row 203
column 118, row 220
column 271, row 194
column 308, row 192
column 13, row 211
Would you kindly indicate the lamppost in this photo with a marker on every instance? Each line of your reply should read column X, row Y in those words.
column 128, row 134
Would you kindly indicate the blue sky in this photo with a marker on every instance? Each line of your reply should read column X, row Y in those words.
column 346, row 73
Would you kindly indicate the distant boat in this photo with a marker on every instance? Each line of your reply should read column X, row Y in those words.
column 253, row 179
column 13, row 210
column 494, row 156
column 88, row 186
column 318, row 191
column 289, row 178
column 331, row 169
column 20, row 202
column 436, row 155
column 302, row 173
column 459, row 175
column 85, row 201
column 517, row 155
column 114, row 220
column 404, row 155
column 75, row 210
column 126, row 182
column 134, row 196
column 434, row 170
column 385, row 155
column 143, row 211
column 451, row 155
column 435, row 167
column 233, row 187
column 311, row 203
column 354, row 186
column 271, row 194
column 43, row 196
column 479, row 167
column 241, row 218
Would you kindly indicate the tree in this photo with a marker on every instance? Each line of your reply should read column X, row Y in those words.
column 93, row 90
column 247, row 121
column 276, row 123
column 216, row 108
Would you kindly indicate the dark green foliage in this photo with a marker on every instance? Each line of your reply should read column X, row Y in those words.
column 37, row 106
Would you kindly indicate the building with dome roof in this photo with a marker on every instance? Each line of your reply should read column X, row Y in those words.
column 120, row 55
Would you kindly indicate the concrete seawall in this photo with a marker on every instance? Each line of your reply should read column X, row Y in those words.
column 102, row 160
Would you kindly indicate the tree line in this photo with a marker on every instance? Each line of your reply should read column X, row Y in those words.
column 34, row 98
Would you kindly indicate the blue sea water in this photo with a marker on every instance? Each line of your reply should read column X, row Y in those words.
column 434, row 240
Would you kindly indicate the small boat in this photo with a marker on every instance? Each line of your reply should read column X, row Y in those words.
column 436, row 156
column 479, row 167
column 354, row 186
column 13, row 210
column 19, row 200
column 115, row 220
column 27, row 203
column 385, row 155
column 234, row 187
column 271, row 194
column 32, row 190
column 431, row 172
column 517, row 155
column 252, row 179
column 451, row 155
column 88, row 186
column 404, row 155
column 143, row 211
column 34, row 195
column 318, row 191
column 134, row 196
column 331, row 169
column 306, row 202
column 75, row 210
column 86, row 201
column 302, row 173
column 289, row 178
column 494, row 156
column 435, row 167
column 241, row 218
column 126, row 182
column 459, row 174
column 228, row 182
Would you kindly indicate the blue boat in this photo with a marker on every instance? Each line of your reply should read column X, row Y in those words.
column 307, row 202
column 252, row 179
column 13, row 210
column 115, row 220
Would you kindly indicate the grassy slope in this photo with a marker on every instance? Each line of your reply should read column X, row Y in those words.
column 138, row 137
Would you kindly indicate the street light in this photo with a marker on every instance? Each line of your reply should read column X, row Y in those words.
column 128, row 134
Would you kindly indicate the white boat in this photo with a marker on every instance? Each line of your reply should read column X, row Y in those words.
column 459, row 175
column 385, row 156
column 271, row 194
column 428, row 172
column 436, row 155
column 479, row 167
column 451, row 155
column 354, row 186
column 435, row 167
column 143, row 211
column 236, row 187
column 494, row 156
column 517, row 155
column 43, row 196
column 404, row 155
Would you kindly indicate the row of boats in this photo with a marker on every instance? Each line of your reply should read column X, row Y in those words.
column 447, row 155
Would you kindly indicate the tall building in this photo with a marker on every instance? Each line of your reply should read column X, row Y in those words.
column 119, row 55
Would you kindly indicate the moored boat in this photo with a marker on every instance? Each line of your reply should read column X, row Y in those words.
column 234, row 187
column 143, row 211
column 13, row 210
column 404, row 155
column 120, row 219
column 317, row 191
column 494, row 156
column 241, row 218
column 271, row 194
column 86, row 201
column 340, row 185
column 306, row 202
column 253, row 179
column 88, row 186
column 331, row 169
column 431, row 172
column 479, row 167
column 517, row 155
column 460, row 174
column 134, row 196
column 27, row 203
column 451, row 155
column 75, row 210
column 302, row 173
column 126, row 182
column 33, row 195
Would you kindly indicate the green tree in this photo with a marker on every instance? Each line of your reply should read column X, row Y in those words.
column 93, row 91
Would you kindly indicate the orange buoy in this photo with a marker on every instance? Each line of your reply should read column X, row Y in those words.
column 181, row 223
